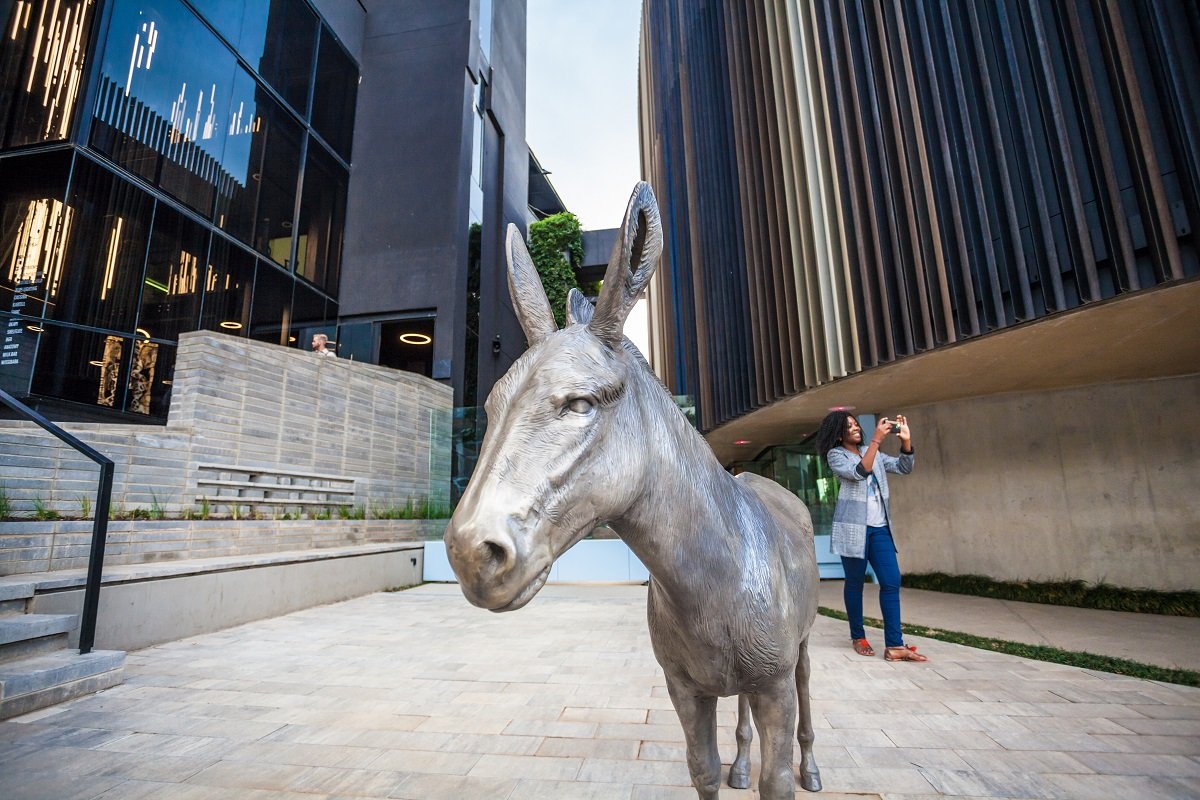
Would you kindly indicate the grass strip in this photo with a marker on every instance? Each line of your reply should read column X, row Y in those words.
column 1119, row 666
column 1080, row 594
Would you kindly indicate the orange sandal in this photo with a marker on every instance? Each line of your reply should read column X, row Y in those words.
column 862, row 647
column 903, row 653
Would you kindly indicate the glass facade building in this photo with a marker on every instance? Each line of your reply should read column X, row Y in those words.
column 165, row 166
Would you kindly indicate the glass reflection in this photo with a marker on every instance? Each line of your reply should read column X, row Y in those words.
column 82, row 366
column 35, row 226
column 171, row 289
column 163, row 99
column 322, row 219
column 42, row 56
column 105, row 370
column 102, row 273
column 228, row 288
column 271, row 316
column 309, row 316
column 334, row 95
column 276, row 37
column 277, row 186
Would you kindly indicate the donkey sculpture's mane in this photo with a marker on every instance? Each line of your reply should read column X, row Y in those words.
column 580, row 431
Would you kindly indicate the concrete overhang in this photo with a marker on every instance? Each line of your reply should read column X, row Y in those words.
column 1149, row 334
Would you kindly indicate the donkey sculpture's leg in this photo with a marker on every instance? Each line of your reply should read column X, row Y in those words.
column 774, row 713
column 810, row 776
column 739, row 773
column 698, row 716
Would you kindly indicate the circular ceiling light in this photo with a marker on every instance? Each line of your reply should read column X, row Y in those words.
column 291, row 338
column 96, row 363
column 233, row 326
column 415, row 338
column 143, row 332
column 34, row 328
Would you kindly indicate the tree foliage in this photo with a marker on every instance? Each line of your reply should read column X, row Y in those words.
column 549, row 239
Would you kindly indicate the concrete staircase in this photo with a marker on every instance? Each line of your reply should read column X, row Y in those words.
column 37, row 668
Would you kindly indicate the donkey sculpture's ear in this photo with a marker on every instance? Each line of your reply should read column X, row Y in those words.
column 579, row 309
column 634, row 257
column 525, row 288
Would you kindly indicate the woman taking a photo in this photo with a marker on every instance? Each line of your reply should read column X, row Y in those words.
column 862, row 522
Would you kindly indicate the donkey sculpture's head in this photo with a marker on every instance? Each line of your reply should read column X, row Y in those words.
column 553, row 463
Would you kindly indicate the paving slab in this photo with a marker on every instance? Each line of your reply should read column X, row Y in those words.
column 419, row 695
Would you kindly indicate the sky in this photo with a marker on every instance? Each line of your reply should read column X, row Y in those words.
column 581, row 102
column 581, row 109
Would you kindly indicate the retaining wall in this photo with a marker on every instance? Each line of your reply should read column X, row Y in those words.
column 247, row 404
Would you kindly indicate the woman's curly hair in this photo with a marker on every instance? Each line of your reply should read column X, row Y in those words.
column 829, row 435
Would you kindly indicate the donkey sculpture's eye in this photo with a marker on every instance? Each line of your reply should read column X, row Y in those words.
column 580, row 405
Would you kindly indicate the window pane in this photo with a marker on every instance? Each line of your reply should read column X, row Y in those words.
column 171, row 290
column 20, row 345
column 228, row 287
column 102, row 271
column 322, row 219
column 237, row 196
column 276, row 37
column 309, row 317
column 277, row 189
column 35, row 225
column 286, row 46
column 150, row 369
column 270, row 320
column 83, row 366
column 335, row 94
column 164, row 97
column 99, row 369
column 38, row 94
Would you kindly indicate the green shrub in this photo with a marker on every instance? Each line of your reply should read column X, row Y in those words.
column 5, row 503
column 42, row 510
column 548, row 240
column 1075, row 593
column 156, row 508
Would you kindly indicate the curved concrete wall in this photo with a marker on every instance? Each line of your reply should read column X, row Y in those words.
column 1099, row 483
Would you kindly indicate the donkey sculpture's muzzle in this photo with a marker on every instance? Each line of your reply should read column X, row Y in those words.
column 491, row 557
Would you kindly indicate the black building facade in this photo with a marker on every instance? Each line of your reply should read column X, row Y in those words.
column 853, row 183
column 264, row 168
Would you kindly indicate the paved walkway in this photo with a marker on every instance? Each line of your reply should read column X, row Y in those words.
column 1163, row 641
column 418, row 695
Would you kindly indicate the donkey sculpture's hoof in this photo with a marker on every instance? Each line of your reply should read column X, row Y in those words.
column 739, row 778
column 811, row 781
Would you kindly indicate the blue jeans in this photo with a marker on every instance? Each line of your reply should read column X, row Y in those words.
column 881, row 552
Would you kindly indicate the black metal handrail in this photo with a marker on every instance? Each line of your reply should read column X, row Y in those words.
column 91, row 591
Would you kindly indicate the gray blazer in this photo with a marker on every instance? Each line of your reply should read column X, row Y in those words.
column 850, row 516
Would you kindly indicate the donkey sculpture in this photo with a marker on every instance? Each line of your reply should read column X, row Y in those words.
column 581, row 432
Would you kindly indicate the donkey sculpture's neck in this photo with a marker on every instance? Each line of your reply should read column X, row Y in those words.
column 689, row 507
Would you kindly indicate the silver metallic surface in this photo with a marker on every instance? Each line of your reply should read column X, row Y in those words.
column 580, row 432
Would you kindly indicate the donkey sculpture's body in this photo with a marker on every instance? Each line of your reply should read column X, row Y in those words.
column 581, row 432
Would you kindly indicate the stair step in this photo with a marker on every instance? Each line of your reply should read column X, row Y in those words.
column 18, row 605
column 30, row 626
column 16, row 591
column 44, row 680
column 43, row 671
column 28, row 648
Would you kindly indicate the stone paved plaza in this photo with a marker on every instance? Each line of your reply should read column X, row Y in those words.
column 418, row 695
